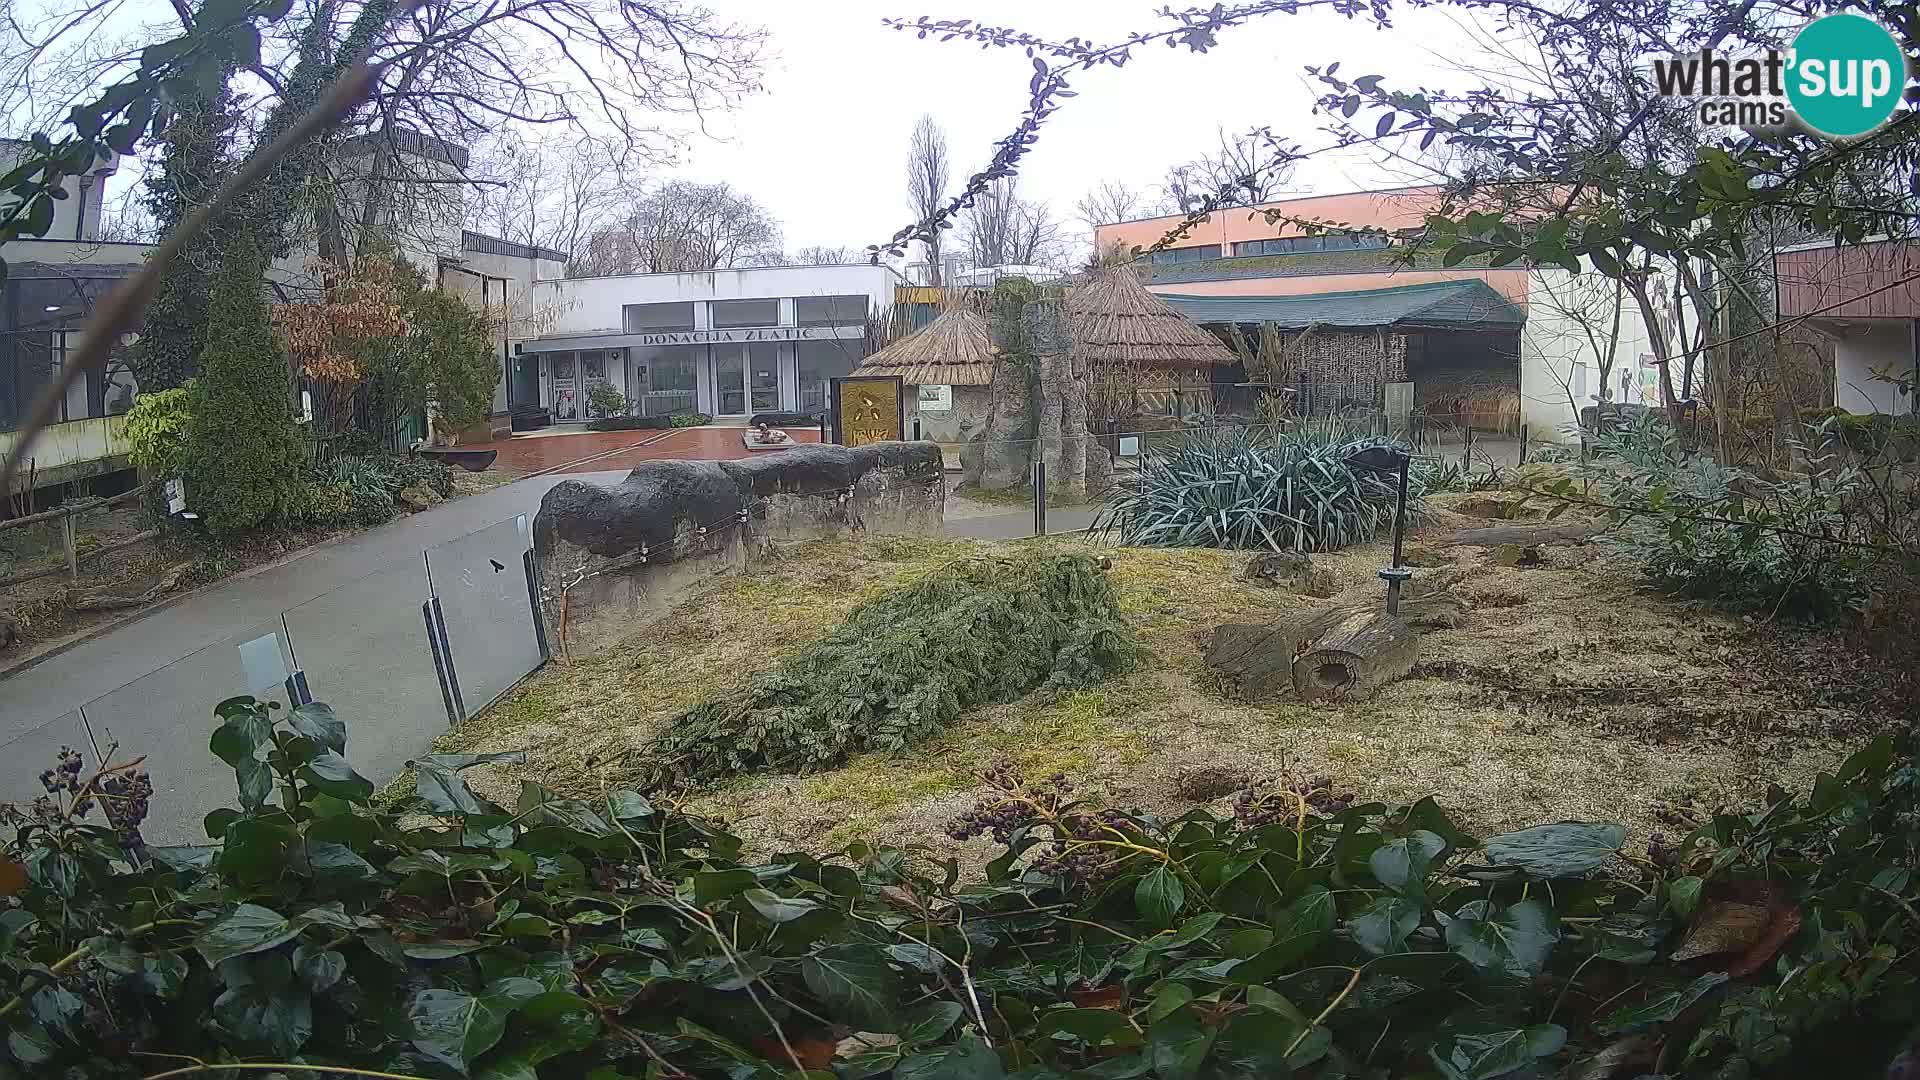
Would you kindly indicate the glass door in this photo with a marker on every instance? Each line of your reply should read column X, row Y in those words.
column 763, row 377
column 730, row 379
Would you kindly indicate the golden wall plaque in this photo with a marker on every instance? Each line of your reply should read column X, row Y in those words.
column 868, row 409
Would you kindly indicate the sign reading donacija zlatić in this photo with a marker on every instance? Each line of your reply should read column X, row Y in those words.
column 766, row 333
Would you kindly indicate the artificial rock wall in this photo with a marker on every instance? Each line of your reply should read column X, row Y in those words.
column 612, row 558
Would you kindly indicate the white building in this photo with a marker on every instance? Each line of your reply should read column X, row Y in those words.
column 728, row 343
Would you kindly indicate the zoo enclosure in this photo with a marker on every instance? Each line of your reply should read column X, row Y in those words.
column 400, row 654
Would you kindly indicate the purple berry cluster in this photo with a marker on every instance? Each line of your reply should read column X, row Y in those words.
column 124, row 796
column 64, row 777
column 1267, row 802
column 1012, row 803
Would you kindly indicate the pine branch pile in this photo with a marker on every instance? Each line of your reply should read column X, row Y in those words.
column 903, row 667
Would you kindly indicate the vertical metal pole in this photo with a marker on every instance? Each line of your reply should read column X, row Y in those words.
column 1523, row 444
column 1466, row 448
column 916, row 427
column 443, row 660
column 533, row 599
column 70, row 546
column 1039, row 497
column 1399, row 534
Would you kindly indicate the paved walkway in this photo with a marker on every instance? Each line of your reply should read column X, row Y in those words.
column 354, row 612
column 597, row 451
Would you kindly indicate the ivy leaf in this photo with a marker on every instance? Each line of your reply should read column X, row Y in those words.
column 277, row 1020
column 858, row 982
column 317, row 722
column 334, row 775
column 247, row 928
column 1093, row 1026
column 1516, row 941
column 556, row 1022
column 778, row 909
column 1661, row 1007
column 319, row 969
column 1302, row 925
column 1254, row 1045
column 929, row 1021
column 1402, row 864
column 436, row 779
column 1482, row 1055
column 1383, row 926
column 455, row 1027
column 1159, row 896
column 1683, row 895
column 1567, row 849
column 1176, row 1044
column 58, row 1010
column 1385, row 125
column 969, row 1059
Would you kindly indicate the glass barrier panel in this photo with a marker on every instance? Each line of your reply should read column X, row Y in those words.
column 481, row 581
column 37, row 748
column 168, row 716
column 364, row 650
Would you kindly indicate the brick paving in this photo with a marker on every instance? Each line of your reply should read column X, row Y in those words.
column 583, row 452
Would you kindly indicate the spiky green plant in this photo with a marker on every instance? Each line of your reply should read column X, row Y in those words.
column 1277, row 489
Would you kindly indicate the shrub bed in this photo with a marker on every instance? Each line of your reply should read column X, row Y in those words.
column 443, row 936
column 903, row 666
column 1271, row 490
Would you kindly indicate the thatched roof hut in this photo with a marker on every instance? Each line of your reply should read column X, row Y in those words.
column 1117, row 321
column 952, row 350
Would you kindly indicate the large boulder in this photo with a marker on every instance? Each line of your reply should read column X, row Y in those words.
column 613, row 556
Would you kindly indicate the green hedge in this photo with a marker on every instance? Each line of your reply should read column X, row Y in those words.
column 608, row 937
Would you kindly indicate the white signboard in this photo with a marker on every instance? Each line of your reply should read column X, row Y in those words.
column 1129, row 446
column 936, row 399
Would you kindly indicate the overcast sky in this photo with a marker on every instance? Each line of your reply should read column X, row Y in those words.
column 825, row 146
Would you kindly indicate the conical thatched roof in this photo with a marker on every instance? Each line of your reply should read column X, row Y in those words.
column 1117, row 321
column 952, row 350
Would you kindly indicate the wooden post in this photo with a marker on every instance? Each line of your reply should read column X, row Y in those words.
column 1039, row 497
column 72, row 549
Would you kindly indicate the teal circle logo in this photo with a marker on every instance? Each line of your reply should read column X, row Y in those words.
column 1846, row 76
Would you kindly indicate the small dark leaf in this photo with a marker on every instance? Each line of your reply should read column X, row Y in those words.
column 1159, row 896
column 929, row 1022
column 1176, row 1044
column 455, row 1027
column 247, row 928
column 317, row 722
column 1483, row 1055
column 1660, row 1007
column 1383, row 926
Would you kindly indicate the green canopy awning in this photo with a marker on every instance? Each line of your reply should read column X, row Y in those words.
column 1466, row 304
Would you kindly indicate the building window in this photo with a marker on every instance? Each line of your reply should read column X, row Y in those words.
column 819, row 363
column 1196, row 253
column 1329, row 241
column 658, row 318
column 661, row 379
column 830, row 310
column 736, row 313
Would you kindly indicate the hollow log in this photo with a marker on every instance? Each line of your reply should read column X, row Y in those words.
column 1327, row 653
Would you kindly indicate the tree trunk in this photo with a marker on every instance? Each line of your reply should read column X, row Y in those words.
column 1052, row 376
column 1324, row 654
column 1003, row 460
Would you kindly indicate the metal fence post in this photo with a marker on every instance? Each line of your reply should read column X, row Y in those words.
column 1523, row 444
column 533, row 599
column 69, row 546
column 443, row 659
column 1039, row 496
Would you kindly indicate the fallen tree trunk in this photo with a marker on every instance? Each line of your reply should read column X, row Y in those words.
column 127, row 594
column 1328, row 653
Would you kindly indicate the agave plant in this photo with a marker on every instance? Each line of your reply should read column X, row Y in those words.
column 1278, row 489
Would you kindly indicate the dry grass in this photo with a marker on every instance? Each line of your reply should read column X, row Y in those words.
column 1568, row 695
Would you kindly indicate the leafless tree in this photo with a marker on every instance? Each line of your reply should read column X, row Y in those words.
column 553, row 193
column 1243, row 162
column 1003, row 229
column 820, row 255
column 927, row 183
column 683, row 226
column 1107, row 202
